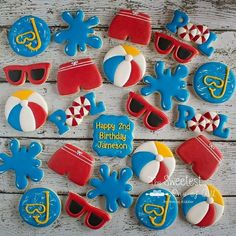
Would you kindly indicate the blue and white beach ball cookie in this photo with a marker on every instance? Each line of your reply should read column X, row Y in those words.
column 124, row 65
column 26, row 110
column 40, row 207
column 156, row 208
column 214, row 82
column 153, row 162
column 29, row 36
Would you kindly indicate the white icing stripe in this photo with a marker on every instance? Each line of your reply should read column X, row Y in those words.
column 11, row 102
column 197, row 212
column 27, row 119
column 147, row 147
column 149, row 171
column 116, row 51
column 38, row 99
column 140, row 60
column 219, row 209
column 73, row 152
column 75, row 66
column 122, row 73
column 138, row 17
column 170, row 164
column 201, row 189
column 209, row 149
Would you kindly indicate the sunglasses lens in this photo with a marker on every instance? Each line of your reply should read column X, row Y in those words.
column 37, row 74
column 154, row 120
column 135, row 106
column 184, row 53
column 15, row 75
column 94, row 220
column 164, row 44
column 75, row 207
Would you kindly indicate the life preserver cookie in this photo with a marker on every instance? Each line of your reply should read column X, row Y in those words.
column 124, row 65
column 214, row 82
column 73, row 116
column 197, row 123
column 156, row 208
column 29, row 36
column 26, row 110
column 203, row 33
column 212, row 121
column 187, row 32
column 202, row 205
column 153, row 162
column 40, row 207
column 82, row 104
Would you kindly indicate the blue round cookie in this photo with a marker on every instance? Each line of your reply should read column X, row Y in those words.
column 29, row 36
column 40, row 207
column 214, row 82
column 156, row 208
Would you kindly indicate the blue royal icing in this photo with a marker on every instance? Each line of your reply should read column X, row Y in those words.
column 29, row 36
column 79, row 33
column 168, row 84
column 113, row 187
column 40, row 207
column 156, row 208
column 113, row 136
column 185, row 113
column 95, row 107
column 23, row 161
column 205, row 48
column 214, row 82
column 58, row 118
column 220, row 131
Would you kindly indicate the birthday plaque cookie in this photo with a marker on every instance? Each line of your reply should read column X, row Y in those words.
column 40, row 207
column 29, row 36
column 113, row 136
column 214, row 82
column 156, row 208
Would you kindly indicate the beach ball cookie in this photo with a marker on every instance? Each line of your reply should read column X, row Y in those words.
column 156, row 208
column 202, row 205
column 214, row 82
column 40, row 207
column 29, row 36
column 153, row 162
column 124, row 65
column 26, row 110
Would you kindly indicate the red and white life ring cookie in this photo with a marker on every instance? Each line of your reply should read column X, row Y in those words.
column 187, row 32
column 82, row 104
column 73, row 116
column 197, row 123
column 212, row 121
column 202, row 34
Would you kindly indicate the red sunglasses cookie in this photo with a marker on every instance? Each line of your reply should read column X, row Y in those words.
column 154, row 119
column 36, row 73
column 201, row 154
column 76, row 206
column 182, row 52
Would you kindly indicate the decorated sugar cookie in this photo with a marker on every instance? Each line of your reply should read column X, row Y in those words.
column 36, row 73
column 40, row 207
column 202, row 205
column 202, row 154
column 212, row 121
column 197, row 123
column 153, row 162
column 26, row 110
column 154, row 119
column 23, row 160
column 120, row 194
column 131, row 25
column 29, row 36
column 113, row 136
column 77, row 206
column 76, row 75
column 79, row 33
column 72, row 161
column 124, row 65
column 169, row 84
column 82, row 104
column 73, row 116
column 214, row 82
column 156, row 209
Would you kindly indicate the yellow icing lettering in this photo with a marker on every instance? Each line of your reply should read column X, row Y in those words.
column 29, row 37
column 124, row 126
column 36, row 208
column 112, row 136
column 162, row 212
column 211, row 82
column 105, row 126
column 105, row 145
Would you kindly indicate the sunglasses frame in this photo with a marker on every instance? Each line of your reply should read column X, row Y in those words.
column 176, row 44
column 146, row 110
column 26, row 73
column 87, row 209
